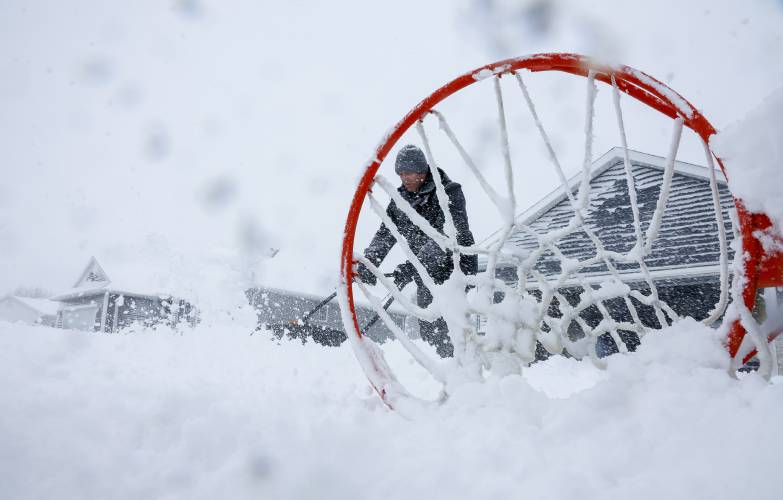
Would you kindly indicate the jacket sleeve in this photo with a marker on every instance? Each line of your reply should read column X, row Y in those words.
column 382, row 242
column 468, row 263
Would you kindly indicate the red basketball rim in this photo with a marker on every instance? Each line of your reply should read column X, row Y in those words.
column 632, row 82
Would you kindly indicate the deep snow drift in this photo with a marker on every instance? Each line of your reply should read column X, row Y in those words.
column 214, row 412
column 753, row 152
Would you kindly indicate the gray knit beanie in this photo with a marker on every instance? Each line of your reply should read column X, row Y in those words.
column 411, row 159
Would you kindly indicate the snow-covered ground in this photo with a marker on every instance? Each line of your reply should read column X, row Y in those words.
column 195, row 135
column 216, row 413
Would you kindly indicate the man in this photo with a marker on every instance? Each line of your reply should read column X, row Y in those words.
column 418, row 189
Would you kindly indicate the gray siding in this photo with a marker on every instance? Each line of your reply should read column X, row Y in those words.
column 149, row 312
column 278, row 308
column 688, row 236
column 135, row 310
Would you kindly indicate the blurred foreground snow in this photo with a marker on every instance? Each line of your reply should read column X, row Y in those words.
column 217, row 413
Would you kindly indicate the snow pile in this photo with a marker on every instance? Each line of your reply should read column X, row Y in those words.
column 218, row 413
column 753, row 152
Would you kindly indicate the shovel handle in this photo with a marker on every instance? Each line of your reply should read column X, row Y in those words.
column 316, row 308
column 328, row 299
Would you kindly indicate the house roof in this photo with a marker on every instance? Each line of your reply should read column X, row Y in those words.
column 41, row 306
column 688, row 236
column 599, row 166
column 125, row 276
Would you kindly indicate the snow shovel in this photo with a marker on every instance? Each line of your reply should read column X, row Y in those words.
column 301, row 328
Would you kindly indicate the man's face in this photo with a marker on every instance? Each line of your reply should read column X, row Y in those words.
column 412, row 181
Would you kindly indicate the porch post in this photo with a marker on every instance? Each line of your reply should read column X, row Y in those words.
column 104, row 312
column 116, row 313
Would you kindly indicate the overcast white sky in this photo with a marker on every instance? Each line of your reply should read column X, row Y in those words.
column 195, row 135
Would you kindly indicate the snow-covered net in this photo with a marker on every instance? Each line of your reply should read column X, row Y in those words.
column 538, row 297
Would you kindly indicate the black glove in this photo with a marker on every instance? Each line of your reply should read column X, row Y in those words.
column 403, row 274
column 365, row 275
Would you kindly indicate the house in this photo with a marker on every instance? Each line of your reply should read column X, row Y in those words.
column 134, row 295
column 684, row 262
column 34, row 311
column 279, row 310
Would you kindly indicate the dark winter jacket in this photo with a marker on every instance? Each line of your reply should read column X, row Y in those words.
column 425, row 201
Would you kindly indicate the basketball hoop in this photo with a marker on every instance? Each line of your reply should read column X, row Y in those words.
column 511, row 333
